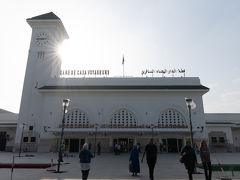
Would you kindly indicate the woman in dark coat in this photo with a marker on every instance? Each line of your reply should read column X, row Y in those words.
column 206, row 161
column 134, row 161
column 189, row 159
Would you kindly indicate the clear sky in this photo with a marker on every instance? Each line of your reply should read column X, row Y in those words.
column 200, row 36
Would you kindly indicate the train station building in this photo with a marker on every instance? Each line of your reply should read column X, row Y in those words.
column 108, row 110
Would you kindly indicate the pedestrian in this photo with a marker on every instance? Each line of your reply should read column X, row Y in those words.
column 99, row 148
column 151, row 153
column 189, row 159
column 139, row 147
column 134, row 161
column 90, row 146
column 115, row 148
column 205, row 158
column 160, row 147
column 85, row 159
column 118, row 149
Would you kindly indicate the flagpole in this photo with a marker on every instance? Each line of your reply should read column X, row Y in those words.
column 123, row 65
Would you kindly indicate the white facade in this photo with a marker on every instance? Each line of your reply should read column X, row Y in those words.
column 8, row 124
column 132, row 108
column 223, row 131
column 106, row 110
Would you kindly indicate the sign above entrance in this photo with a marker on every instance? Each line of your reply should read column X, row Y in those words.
column 164, row 72
column 83, row 73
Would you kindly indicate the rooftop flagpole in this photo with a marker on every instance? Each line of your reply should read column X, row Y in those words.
column 123, row 64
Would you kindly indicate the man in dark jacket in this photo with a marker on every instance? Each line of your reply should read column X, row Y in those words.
column 189, row 159
column 85, row 159
column 151, row 151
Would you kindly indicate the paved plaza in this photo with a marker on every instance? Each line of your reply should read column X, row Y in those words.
column 107, row 167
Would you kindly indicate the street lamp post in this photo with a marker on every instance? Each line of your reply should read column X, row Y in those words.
column 191, row 105
column 95, row 140
column 20, row 149
column 152, row 126
column 65, row 104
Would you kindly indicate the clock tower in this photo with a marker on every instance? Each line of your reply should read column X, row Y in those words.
column 43, row 65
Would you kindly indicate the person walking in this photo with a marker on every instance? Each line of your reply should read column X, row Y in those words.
column 85, row 159
column 134, row 161
column 205, row 158
column 189, row 159
column 151, row 153
column 99, row 148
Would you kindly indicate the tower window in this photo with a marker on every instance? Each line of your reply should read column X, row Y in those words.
column 33, row 139
column 25, row 139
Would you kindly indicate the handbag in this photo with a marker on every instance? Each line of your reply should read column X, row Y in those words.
column 181, row 159
column 129, row 166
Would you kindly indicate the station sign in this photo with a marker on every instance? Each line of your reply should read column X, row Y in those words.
column 84, row 73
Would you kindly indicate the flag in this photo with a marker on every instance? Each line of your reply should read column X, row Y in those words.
column 123, row 61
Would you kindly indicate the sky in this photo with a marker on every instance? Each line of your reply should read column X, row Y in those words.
column 202, row 37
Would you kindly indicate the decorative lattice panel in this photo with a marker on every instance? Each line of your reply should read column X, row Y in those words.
column 123, row 119
column 171, row 118
column 76, row 118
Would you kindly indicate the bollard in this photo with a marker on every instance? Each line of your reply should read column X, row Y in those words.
column 12, row 168
column 51, row 168
column 52, row 160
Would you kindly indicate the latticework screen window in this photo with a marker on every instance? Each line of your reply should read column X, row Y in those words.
column 171, row 118
column 76, row 118
column 123, row 119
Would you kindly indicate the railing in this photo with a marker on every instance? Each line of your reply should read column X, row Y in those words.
column 122, row 126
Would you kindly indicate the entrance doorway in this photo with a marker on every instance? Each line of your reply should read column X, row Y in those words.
column 125, row 143
column 74, row 145
column 3, row 141
column 82, row 142
column 172, row 145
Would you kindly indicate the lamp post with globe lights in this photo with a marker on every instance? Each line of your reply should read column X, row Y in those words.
column 190, row 105
column 95, row 139
column 65, row 104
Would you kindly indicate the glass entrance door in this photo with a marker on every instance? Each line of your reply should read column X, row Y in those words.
column 74, row 145
column 172, row 145
column 125, row 143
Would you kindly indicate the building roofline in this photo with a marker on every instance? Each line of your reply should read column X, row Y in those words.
column 124, row 87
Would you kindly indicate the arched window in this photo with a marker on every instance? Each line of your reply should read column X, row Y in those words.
column 76, row 118
column 171, row 118
column 123, row 118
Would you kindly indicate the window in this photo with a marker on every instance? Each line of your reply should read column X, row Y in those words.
column 123, row 118
column 77, row 118
column 221, row 139
column 33, row 139
column 171, row 118
column 25, row 139
column 214, row 139
column 30, row 128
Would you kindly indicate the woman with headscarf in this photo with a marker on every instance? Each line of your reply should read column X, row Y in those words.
column 189, row 159
column 206, row 161
column 134, row 161
column 85, row 159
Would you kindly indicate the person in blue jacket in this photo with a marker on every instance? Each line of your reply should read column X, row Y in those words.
column 85, row 159
column 134, row 161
